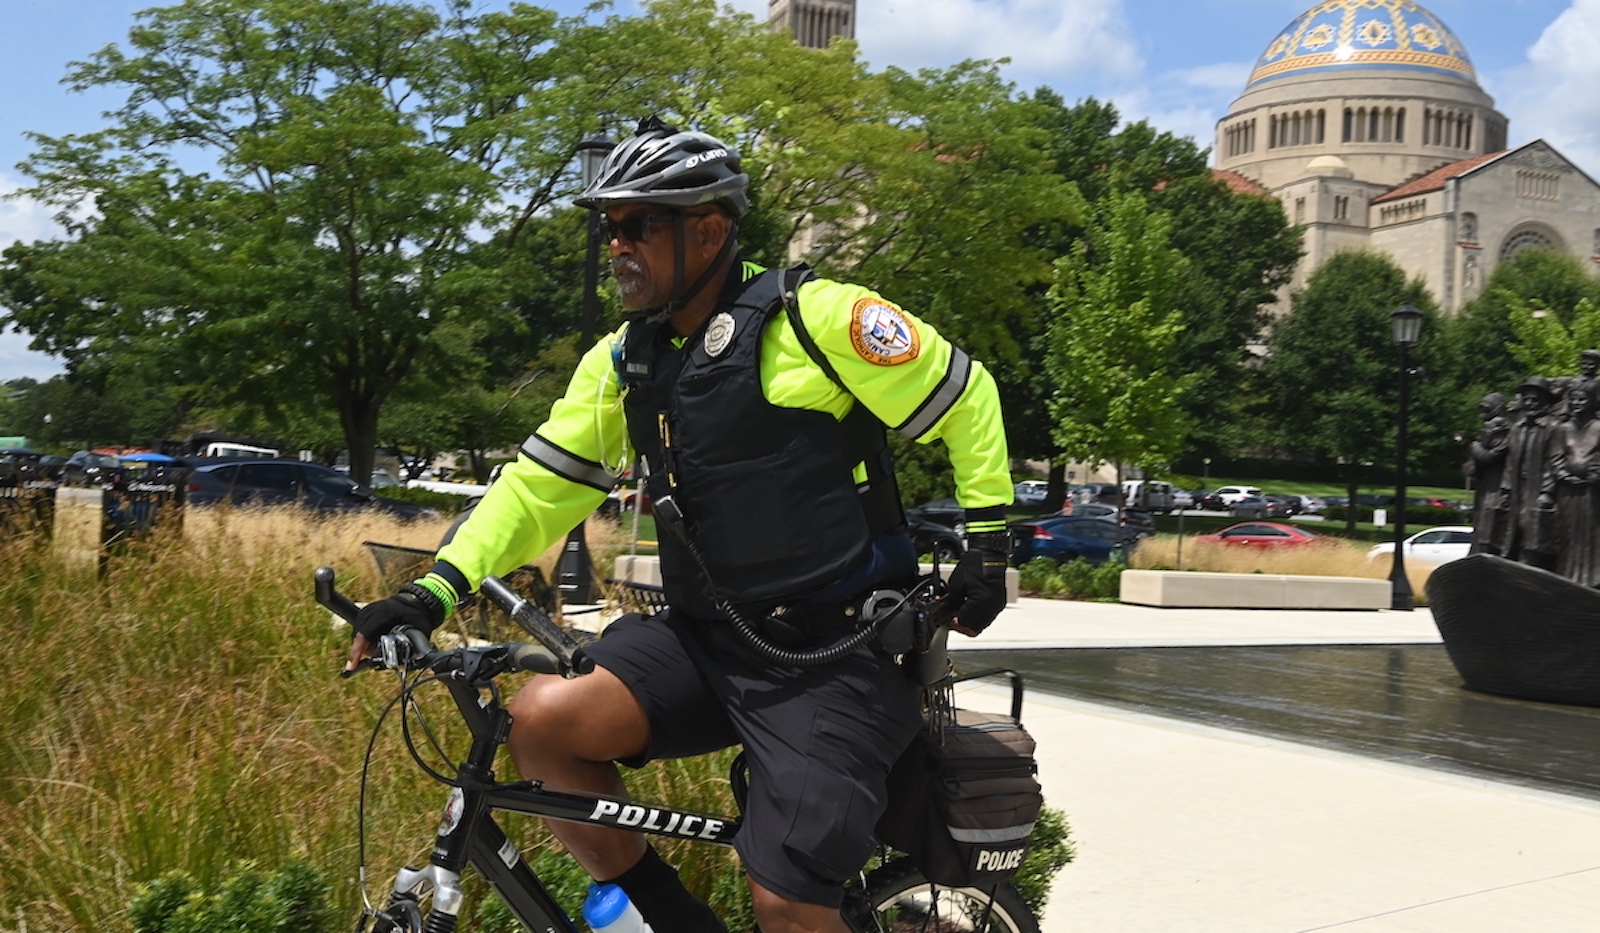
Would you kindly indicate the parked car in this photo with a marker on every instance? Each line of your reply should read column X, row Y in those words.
column 1031, row 491
column 1261, row 534
column 1063, row 538
column 289, row 482
column 1137, row 522
column 1232, row 494
column 24, row 465
column 1279, row 506
column 50, row 465
column 1212, row 502
column 1311, row 505
column 946, row 512
column 1251, row 507
column 87, row 468
column 1433, row 546
column 940, row 541
column 1148, row 494
column 1096, row 492
column 1183, row 499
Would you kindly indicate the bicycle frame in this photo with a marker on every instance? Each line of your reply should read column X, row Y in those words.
column 469, row 835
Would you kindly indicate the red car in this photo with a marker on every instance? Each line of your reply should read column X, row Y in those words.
column 1262, row 534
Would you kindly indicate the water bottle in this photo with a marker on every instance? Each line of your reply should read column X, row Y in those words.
column 608, row 910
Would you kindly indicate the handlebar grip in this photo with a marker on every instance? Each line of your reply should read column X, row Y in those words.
column 536, row 623
column 335, row 601
column 534, row 660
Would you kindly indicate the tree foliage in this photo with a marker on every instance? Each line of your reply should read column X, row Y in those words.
column 1333, row 372
column 1240, row 249
column 1484, row 338
column 1114, row 325
column 306, row 211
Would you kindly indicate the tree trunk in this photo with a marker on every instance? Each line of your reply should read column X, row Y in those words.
column 1352, row 482
column 1056, row 496
column 359, row 418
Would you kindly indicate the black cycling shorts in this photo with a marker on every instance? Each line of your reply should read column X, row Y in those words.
column 819, row 741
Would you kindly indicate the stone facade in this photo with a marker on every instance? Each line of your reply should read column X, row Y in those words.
column 1365, row 119
column 813, row 23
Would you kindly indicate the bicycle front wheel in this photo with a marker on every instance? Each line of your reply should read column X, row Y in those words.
column 899, row 899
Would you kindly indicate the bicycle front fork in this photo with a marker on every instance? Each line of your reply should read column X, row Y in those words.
column 404, row 913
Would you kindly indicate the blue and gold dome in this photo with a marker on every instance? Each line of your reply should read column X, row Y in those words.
column 1364, row 34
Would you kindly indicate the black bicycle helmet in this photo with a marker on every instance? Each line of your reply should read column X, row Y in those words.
column 661, row 164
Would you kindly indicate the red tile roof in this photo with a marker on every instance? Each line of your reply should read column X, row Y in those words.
column 1237, row 183
column 1434, row 180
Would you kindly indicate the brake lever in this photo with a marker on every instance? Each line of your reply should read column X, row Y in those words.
column 364, row 663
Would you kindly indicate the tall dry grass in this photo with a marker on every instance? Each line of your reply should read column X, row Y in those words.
column 183, row 712
column 1330, row 557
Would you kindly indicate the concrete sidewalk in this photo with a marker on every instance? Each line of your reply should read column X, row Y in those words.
column 1184, row 828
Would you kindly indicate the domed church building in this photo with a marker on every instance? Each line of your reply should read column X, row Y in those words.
column 1365, row 118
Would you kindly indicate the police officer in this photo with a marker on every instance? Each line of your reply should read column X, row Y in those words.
column 759, row 416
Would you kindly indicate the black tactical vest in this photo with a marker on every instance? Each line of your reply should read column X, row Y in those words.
column 767, row 493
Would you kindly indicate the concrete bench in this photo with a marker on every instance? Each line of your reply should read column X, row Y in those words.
column 1198, row 590
column 646, row 568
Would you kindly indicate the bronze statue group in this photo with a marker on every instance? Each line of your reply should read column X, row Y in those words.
column 1535, row 466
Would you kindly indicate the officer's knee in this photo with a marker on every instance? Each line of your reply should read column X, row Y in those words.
column 589, row 718
column 777, row 914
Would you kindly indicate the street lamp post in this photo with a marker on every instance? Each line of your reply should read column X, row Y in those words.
column 576, row 577
column 1406, row 322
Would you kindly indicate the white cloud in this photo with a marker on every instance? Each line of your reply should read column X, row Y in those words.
column 1552, row 96
column 23, row 218
column 1047, row 41
column 27, row 220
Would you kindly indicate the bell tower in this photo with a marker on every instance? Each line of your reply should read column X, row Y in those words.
column 813, row 22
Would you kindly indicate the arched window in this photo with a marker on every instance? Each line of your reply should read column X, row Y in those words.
column 1468, row 133
column 1524, row 239
column 1294, row 130
column 1322, row 126
column 1372, row 125
column 1349, row 122
column 1400, row 125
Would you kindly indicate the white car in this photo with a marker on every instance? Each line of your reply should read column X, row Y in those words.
column 1030, row 491
column 1311, row 505
column 1439, row 545
column 1232, row 494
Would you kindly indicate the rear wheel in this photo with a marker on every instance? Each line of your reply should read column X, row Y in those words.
column 898, row 899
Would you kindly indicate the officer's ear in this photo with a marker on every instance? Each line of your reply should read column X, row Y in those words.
column 710, row 230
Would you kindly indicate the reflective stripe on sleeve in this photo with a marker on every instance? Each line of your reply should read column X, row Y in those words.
column 566, row 465
column 942, row 399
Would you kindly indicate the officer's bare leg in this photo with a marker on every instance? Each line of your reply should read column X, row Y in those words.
column 777, row 914
column 567, row 733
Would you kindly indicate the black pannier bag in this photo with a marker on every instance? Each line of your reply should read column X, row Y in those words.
column 964, row 797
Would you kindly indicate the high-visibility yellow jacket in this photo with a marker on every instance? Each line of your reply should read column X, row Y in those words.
column 899, row 367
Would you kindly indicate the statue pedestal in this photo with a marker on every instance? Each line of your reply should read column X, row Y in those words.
column 1518, row 631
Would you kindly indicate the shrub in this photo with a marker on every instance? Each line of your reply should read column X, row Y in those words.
column 292, row 901
column 1077, row 579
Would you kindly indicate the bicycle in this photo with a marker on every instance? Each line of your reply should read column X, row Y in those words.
column 892, row 898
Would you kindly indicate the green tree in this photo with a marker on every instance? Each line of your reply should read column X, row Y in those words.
column 1483, row 337
column 1332, row 374
column 1115, row 322
column 1544, row 344
column 1240, row 250
column 359, row 147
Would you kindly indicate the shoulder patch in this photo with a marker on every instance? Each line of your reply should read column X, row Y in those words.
column 882, row 334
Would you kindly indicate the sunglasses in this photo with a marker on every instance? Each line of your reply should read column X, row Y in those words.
column 635, row 228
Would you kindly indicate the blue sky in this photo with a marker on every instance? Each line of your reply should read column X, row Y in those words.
column 1177, row 63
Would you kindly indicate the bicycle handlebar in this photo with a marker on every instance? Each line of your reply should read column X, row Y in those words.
column 408, row 647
